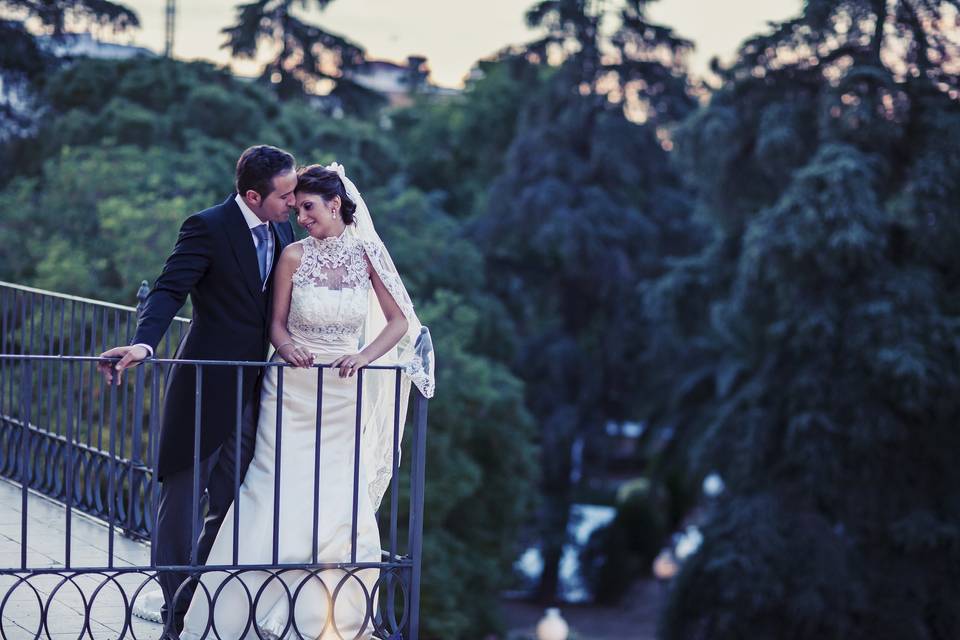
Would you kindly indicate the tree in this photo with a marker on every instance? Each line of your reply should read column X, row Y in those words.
column 481, row 452
column 815, row 376
column 306, row 56
column 23, row 60
column 637, row 63
column 117, row 208
column 455, row 147
column 581, row 212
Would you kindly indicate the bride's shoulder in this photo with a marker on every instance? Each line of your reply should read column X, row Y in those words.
column 293, row 252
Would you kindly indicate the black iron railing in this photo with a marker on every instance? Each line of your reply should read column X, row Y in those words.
column 91, row 446
column 37, row 322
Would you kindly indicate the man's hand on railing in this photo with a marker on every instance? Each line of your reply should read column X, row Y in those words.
column 129, row 358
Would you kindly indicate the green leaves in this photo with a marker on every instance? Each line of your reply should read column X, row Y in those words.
column 104, row 219
column 583, row 209
column 767, row 567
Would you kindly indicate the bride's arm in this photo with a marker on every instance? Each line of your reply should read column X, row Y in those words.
column 282, row 286
column 395, row 329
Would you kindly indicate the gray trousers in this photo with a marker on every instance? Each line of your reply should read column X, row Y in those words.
column 176, row 513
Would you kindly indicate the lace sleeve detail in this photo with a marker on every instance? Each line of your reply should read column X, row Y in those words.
column 415, row 357
column 389, row 277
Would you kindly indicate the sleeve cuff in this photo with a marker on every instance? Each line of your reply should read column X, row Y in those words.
column 145, row 346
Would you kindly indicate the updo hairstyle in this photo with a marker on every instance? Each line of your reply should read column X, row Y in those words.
column 318, row 180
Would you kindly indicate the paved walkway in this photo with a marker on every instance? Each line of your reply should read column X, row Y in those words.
column 46, row 542
column 635, row 618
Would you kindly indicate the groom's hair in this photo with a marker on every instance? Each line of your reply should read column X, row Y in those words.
column 257, row 167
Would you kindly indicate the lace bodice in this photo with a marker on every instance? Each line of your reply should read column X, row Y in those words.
column 328, row 303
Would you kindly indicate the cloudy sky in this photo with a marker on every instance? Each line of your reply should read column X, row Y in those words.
column 453, row 34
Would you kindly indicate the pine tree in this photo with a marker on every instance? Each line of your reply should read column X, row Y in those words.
column 819, row 375
column 577, row 216
column 306, row 55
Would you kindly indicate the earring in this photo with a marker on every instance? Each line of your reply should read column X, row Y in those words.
column 333, row 214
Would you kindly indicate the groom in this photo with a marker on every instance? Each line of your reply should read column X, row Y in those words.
column 224, row 260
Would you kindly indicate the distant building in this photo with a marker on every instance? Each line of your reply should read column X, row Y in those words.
column 84, row 45
column 397, row 81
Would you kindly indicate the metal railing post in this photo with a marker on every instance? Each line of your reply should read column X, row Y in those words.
column 418, row 476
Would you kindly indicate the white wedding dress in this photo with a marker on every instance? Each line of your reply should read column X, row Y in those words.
column 328, row 308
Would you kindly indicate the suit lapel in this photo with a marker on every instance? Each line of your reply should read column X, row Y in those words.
column 278, row 246
column 282, row 236
column 243, row 250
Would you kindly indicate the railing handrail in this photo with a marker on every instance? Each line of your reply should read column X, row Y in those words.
column 66, row 296
column 224, row 363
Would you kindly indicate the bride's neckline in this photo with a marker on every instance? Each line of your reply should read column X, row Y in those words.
column 330, row 239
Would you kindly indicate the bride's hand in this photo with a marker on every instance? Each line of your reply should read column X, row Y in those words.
column 295, row 355
column 350, row 364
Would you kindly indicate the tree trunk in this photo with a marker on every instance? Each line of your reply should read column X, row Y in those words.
column 557, row 498
column 548, row 589
column 880, row 10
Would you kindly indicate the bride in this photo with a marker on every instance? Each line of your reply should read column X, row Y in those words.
column 333, row 290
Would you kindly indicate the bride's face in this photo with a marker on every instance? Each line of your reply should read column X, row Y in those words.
column 320, row 218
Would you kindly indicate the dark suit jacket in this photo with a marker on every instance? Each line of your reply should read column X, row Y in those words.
column 215, row 263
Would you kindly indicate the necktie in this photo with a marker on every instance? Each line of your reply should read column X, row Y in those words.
column 261, row 232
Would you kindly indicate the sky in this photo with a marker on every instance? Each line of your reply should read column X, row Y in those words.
column 452, row 34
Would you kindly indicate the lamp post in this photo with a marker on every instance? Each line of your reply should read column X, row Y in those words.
column 665, row 566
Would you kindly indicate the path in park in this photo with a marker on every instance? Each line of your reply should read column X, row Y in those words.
column 634, row 619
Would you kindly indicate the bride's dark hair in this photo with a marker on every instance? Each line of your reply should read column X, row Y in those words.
column 319, row 180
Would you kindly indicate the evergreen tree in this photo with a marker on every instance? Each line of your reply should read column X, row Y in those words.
column 456, row 146
column 582, row 210
column 817, row 374
column 306, row 55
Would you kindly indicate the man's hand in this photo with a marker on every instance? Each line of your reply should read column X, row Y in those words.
column 129, row 358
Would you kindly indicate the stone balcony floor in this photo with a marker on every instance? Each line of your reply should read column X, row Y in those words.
column 46, row 543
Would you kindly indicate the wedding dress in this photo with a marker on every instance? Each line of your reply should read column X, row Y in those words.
column 332, row 310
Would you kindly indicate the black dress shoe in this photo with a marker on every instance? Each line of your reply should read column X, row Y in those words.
column 171, row 635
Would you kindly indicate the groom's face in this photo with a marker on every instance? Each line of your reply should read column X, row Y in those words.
column 277, row 205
